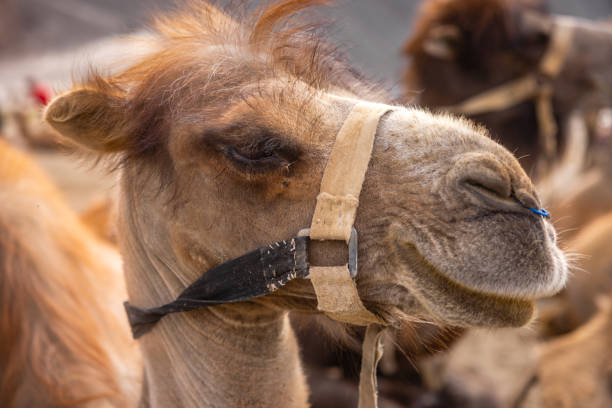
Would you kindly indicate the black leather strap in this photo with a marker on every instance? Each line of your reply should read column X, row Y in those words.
column 254, row 274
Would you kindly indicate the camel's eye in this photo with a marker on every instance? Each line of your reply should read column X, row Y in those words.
column 261, row 149
column 260, row 155
column 252, row 149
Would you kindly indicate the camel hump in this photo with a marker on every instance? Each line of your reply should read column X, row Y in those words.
column 141, row 320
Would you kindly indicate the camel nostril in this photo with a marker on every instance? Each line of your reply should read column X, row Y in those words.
column 490, row 186
column 492, row 191
column 488, row 182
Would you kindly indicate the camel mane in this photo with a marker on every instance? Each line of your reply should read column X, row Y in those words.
column 204, row 58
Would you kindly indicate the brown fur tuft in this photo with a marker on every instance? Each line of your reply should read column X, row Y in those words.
column 277, row 40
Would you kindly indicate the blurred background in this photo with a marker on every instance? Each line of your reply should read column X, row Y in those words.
column 53, row 41
column 73, row 31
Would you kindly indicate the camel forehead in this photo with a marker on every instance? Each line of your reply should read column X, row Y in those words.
column 290, row 108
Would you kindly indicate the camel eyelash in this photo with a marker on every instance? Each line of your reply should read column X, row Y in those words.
column 255, row 160
column 253, row 153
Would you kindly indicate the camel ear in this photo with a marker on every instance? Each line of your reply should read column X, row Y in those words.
column 90, row 118
column 442, row 42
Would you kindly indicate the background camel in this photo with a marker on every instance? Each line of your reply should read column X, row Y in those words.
column 64, row 340
column 596, row 278
column 585, row 351
column 460, row 49
column 100, row 218
column 576, row 304
column 579, row 198
column 223, row 133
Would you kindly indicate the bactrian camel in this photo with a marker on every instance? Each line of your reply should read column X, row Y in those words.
column 223, row 132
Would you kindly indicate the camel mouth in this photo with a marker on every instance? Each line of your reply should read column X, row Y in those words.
column 453, row 303
column 499, row 254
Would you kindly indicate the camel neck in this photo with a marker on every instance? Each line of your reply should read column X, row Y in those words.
column 223, row 356
column 208, row 359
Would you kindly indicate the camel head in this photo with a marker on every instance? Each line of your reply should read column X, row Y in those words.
column 223, row 133
column 460, row 49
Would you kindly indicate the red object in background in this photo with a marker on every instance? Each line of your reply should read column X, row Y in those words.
column 40, row 92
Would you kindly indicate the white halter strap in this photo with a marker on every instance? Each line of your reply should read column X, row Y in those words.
column 333, row 219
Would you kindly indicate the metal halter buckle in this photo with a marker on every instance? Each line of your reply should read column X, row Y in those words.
column 352, row 249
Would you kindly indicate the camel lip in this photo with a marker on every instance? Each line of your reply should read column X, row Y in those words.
column 507, row 204
column 539, row 293
column 463, row 306
column 551, row 283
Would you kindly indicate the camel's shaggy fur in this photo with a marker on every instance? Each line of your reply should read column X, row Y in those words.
column 63, row 338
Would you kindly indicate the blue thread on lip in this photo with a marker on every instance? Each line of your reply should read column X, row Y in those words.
column 540, row 211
